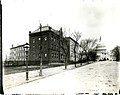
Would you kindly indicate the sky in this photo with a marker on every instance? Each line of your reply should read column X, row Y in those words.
column 92, row 18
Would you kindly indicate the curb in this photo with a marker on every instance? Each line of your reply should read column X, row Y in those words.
column 42, row 77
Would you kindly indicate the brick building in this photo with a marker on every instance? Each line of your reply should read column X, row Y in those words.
column 46, row 41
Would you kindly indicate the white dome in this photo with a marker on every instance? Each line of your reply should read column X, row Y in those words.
column 100, row 46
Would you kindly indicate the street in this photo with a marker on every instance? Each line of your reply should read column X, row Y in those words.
column 98, row 77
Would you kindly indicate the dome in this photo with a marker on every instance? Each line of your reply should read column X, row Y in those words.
column 100, row 46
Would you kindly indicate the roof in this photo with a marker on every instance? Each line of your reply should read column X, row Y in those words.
column 17, row 46
column 44, row 29
column 100, row 46
column 73, row 40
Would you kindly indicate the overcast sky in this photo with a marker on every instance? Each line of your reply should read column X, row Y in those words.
column 93, row 18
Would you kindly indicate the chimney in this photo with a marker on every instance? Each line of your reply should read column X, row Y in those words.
column 12, row 45
column 40, row 26
column 61, row 33
column 29, row 32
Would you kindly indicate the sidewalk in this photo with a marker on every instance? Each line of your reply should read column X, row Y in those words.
column 16, row 79
column 119, row 74
column 99, row 77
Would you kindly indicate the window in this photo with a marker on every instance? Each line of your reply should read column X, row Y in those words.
column 54, row 39
column 55, row 47
column 51, row 38
column 57, row 39
column 52, row 46
column 23, row 54
column 33, row 46
column 55, row 55
column 45, row 55
column 52, row 54
column 39, row 38
column 33, row 55
column 33, row 40
column 45, row 38
column 40, row 47
column 61, row 55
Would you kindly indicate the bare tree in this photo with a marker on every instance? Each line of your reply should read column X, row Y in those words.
column 116, row 52
column 77, row 36
column 88, row 45
column 64, row 45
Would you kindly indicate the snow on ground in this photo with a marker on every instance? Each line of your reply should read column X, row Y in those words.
column 99, row 77
column 16, row 79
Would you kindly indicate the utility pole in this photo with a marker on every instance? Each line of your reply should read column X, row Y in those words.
column 40, row 55
column 40, row 74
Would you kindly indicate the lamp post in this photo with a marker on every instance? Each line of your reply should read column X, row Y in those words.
column 26, row 47
column 40, row 74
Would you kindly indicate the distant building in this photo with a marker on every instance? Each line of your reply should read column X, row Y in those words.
column 46, row 41
column 72, row 45
column 17, row 55
column 101, row 50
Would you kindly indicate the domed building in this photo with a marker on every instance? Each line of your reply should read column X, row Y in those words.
column 101, row 50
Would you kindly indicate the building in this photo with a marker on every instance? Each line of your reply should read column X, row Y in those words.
column 17, row 53
column 101, row 50
column 17, row 56
column 72, row 45
column 45, row 41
